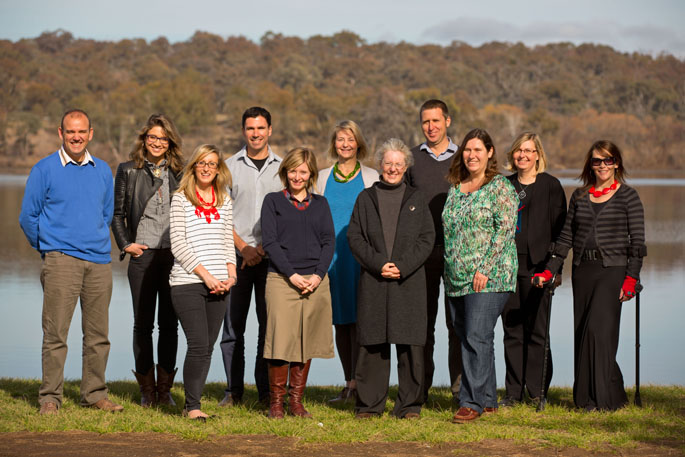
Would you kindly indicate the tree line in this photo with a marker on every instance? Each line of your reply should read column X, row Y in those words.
column 571, row 95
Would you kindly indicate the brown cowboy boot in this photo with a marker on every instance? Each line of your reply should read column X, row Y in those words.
column 148, row 394
column 298, row 380
column 164, row 383
column 278, row 378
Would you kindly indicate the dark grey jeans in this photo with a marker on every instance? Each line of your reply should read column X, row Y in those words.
column 201, row 315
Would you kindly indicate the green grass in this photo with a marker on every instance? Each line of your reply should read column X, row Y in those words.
column 661, row 421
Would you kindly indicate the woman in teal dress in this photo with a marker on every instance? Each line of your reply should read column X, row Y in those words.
column 341, row 184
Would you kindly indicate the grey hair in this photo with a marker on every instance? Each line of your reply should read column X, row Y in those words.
column 394, row 144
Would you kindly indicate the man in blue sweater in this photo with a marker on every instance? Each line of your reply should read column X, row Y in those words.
column 65, row 215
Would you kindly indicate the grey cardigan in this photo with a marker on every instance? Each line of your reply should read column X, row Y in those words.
column 620, row 228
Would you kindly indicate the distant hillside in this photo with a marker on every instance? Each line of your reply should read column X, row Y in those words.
column 571, row 95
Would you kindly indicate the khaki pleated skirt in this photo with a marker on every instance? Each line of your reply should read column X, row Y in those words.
column 298, row 327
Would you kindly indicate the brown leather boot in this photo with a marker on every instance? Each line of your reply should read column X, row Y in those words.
column 298, row 380
column 164, row 383
column 148, row 394
column 278, row 378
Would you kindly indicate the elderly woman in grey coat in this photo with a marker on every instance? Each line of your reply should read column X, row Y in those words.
column 391, row 234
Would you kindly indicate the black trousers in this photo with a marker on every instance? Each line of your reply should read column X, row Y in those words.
column 434, row 268
column 201, row 314
column 348, row 348
column 373, row 375
column 524, row 320
column 598, row 381
column 235, row 320
column 148, row 277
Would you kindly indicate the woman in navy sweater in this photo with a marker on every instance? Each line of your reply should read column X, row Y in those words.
column 605, row 226
column 299, row 238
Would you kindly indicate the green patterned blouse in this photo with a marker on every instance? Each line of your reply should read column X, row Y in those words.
column 479, row 236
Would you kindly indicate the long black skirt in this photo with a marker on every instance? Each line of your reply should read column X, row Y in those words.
column 598, row 382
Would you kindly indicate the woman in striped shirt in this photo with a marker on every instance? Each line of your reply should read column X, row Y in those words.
column 204, row 264
column 606, row 229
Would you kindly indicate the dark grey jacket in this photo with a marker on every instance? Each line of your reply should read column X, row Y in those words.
column 133, row 187
column 620, row 229
column 389, row 310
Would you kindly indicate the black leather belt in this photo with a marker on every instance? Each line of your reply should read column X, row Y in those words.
column 591, row 254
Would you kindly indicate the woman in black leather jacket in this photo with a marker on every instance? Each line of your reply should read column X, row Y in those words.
column 142, row 197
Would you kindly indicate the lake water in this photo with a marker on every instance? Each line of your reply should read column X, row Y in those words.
column 662, row 306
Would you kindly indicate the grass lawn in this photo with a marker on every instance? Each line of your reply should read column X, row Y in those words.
column 660, row 421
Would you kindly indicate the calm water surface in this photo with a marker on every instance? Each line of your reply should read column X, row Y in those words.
column 661, row 326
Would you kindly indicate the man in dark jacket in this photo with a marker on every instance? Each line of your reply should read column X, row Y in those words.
column 432, row 161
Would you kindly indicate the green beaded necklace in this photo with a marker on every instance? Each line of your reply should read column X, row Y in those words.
column 345, row 178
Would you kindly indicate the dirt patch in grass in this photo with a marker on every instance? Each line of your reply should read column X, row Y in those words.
column 86, row 444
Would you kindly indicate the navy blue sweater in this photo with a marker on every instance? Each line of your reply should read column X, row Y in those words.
column 297, row 241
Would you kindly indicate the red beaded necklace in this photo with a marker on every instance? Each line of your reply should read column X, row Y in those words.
column 207, row 212
column 606, row 190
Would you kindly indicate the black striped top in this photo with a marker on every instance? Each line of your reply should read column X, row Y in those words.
column 195, row 242
column 619, row 227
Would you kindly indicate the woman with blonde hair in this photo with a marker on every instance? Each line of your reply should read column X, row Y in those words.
column 341, row 184
column 204, row 266
column 299, row 237
column 142, row 198
column 541, row 214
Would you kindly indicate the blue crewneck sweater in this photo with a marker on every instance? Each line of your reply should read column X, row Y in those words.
column 69, row 208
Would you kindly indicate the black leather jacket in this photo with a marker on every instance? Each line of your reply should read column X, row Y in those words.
column 133, row 187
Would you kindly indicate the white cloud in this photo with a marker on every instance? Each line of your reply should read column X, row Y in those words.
column 645, row 38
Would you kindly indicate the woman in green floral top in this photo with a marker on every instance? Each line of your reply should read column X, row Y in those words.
column 479, row 219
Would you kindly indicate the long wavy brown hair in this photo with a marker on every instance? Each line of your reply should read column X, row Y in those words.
column 173, row 156
column 222, row 180
column 458, row 171
column 604, row 148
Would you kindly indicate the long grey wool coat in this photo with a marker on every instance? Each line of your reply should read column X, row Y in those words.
column 391, row 310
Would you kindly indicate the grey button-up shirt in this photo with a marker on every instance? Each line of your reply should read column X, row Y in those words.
column 249, row 188
column 153, row 227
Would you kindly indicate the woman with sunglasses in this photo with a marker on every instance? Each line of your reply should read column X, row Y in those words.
column 541, row 214
column 606, row 229
column 142, row 199
column 204, row 264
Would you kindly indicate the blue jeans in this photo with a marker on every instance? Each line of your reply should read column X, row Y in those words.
column 474, row 317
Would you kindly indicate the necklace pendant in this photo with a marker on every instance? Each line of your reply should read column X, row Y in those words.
column 157, row 172
column 522, row 194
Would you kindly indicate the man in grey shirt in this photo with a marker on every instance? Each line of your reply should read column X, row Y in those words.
column 254, row 170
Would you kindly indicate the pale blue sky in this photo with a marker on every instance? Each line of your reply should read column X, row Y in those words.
column 650, row 26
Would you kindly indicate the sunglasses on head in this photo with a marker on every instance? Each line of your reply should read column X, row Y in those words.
column 608, row 161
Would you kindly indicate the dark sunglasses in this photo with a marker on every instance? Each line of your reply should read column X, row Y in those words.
column 608, row 161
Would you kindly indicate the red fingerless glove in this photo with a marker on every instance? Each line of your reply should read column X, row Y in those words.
column 629, row 286
column 545, row 275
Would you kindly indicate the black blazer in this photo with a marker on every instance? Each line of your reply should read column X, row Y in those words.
column 546, row 215
column 133, row 187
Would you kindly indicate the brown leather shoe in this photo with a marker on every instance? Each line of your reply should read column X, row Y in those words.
column 489, row 410
column 107, row 405
column 365, row 415
column 148, row 391
column 412, row 416
column 165, row 381
column 298, row 380
column 278, row 378
column 48, row 408
column 465, row 415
